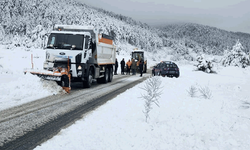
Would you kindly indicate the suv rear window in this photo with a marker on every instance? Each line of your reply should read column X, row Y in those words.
column 167, row 65
column 171, row 65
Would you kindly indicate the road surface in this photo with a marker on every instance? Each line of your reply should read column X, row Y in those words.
column 30, row 124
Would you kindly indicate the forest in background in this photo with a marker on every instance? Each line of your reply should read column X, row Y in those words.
column 209, row 39
column 27, row 23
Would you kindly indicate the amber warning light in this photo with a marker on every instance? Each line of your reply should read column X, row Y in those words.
column 60, row 28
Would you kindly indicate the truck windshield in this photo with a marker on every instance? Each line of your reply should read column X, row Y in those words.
column 65, row 41
column 137, row 55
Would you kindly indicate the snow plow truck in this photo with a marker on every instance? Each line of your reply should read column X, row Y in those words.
column 78, row 54
column 138, row 55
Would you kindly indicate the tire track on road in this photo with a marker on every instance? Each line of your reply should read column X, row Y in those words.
column 46, row 120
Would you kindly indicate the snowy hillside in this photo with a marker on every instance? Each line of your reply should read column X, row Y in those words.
column 204, row 38
column 26, row 23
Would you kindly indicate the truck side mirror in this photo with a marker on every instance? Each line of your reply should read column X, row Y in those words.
column 45, row 40
column 44, row 43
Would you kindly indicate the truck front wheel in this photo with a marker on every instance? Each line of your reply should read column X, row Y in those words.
column 89, row 79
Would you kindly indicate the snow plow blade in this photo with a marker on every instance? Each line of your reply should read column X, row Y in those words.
column 47, row 75
column 60, row 72
column 63, row 77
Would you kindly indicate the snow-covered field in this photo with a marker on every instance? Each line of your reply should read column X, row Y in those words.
column 17, row 88
column 219, row 122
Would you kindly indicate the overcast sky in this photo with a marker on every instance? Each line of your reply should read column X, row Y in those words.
column 231, row 15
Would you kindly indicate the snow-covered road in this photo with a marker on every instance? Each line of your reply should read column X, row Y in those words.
column 20, row 120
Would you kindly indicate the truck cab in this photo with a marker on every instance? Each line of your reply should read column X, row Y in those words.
column 138, row 55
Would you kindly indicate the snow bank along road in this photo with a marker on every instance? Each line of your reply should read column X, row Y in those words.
column 28, row 125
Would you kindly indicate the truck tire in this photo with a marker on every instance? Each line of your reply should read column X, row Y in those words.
column 104, row 79
column 106, row 75
column 110, row 78
column 89, row 79
column 145, row 68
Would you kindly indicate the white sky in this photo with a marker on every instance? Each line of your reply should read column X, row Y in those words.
column 231, row 15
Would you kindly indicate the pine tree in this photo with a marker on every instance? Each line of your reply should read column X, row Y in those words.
column 236, row 57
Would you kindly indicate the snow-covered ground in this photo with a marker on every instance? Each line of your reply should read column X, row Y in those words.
column 17, row 88
column 219, row 122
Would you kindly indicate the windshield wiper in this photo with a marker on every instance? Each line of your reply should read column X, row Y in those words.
column 51, row 46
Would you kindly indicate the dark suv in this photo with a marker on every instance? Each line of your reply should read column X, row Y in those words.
column 166, row 68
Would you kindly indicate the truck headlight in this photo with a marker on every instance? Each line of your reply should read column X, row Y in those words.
column 79, row 67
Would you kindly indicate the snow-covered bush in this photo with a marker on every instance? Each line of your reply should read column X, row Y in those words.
column 205, row 92
column 204, row 64
column 153, row 93
column 236, row 57
column 192, row 91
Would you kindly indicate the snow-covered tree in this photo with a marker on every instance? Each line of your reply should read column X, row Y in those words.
column 2, row 33
column 181, row 52
column 152, row 88
column 38, row 35
column 22, row 17
column 236, row 57
column 204, row 64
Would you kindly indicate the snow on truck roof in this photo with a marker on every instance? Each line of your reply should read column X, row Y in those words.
column 73, row 27
column 137, row 50
column 71, row 32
